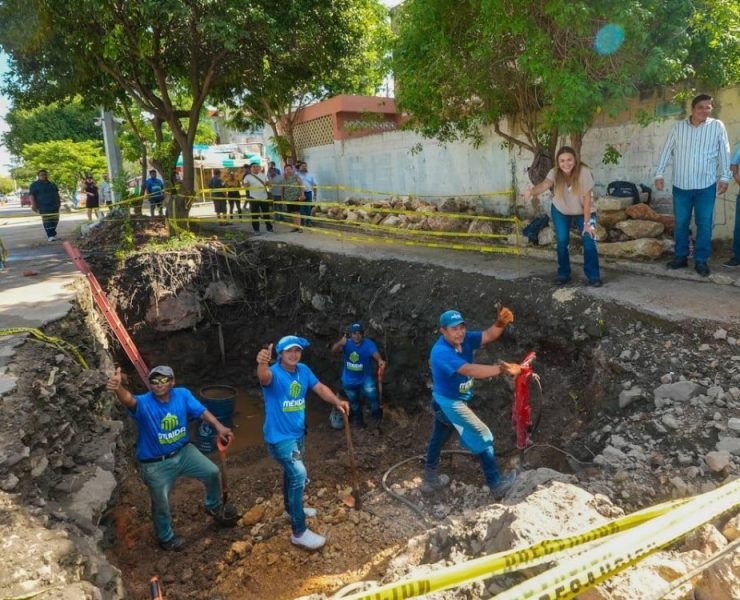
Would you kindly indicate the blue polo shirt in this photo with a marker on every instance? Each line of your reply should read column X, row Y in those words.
column 285, row 403
column 446, row 361
column 155, row 188
column 46, row 194
column 358, row 361
column 163, row 426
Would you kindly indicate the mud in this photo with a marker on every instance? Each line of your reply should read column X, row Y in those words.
column 276, row 290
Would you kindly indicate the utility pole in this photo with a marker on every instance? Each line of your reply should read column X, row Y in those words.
column 112, row 151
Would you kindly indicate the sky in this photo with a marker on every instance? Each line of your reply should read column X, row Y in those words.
column 4, row 106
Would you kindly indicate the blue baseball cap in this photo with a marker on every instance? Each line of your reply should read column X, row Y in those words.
column 291, row 341
column 450, row 318
column 356, row 327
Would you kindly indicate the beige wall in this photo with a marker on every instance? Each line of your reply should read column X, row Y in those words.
column 386, row 162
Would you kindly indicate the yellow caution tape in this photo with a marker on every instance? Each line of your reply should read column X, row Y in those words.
column 511, row 560
column 54, row 341
column 626, row 549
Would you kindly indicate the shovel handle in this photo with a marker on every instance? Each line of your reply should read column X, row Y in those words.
column 223, row 447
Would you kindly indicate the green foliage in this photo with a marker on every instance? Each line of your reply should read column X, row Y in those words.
column 7, row 185
column 611, row 155
column 316, row 49
column 126, row 243
column 66, row 161
column 49, row 122
column 464, row 66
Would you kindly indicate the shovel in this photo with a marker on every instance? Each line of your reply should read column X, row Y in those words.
column 354, row 500
column 225, row 520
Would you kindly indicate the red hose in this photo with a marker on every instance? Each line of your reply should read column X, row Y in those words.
column 521, row 414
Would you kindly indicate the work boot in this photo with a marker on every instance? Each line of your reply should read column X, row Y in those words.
column 702, row 268
column 433, row 482
column 309, row 540
column 307, row 510
column 175, row 544
column 733, row 262
column 503, row 486
column 225, row 515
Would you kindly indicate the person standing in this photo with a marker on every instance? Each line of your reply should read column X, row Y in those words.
column 292, row 192
column 358, row 373
column 218, row 197
column 233, row 184
column 259, row 199
column 699, row 149
column 274, row 180
column 46, row 201
column 453, row 376
column 154, row 188
column 572, row 185
column 735, row 168
column 92, row 202
column 310, row 192
column 163, row 450
column 106, row 192
column 285, row 386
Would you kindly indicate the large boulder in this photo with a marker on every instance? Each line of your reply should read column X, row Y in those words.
column 609, row 218
column 612, row 203
column 644, row 212
column 447, row 224
column 642, row 248
column 481, row 227
column 173, row 313
column 637, row 228
column 224, row 292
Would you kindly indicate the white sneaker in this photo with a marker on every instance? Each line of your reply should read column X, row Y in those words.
column 308, row 539
column 307, row 510
column 52, row 238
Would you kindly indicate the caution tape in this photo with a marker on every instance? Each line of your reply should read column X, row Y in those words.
column 626, row 549
column 48, row 339
column 621, row 543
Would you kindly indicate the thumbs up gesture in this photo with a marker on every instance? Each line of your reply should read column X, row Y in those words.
column 114, row 382
column 504, row 317
column 265, row 355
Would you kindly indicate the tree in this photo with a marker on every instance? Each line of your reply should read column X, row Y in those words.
column 48, row 122
column 7, row 185
column 66, row 161
column 463, row 67
column 342, row 49
column 153, row 51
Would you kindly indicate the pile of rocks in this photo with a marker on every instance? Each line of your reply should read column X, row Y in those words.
column 57, row 458
column 625, row 230
column 375, row 213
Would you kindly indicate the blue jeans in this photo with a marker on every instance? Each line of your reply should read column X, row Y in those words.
column 736, row 235
column 160, row 478
column 443, row 430
column 289, row 454
column 306, row 208
column 701, row 202
column 50, row 220
column 370, row 390
column 562, row 224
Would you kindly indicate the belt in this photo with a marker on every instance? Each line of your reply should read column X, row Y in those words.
column 159, row 458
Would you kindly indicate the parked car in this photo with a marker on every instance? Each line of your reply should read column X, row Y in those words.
column 25, row 199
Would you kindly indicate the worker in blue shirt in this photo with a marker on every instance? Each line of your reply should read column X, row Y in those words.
column 285, row 386
column 453, row 376
column 358, row 372
column 154, row 187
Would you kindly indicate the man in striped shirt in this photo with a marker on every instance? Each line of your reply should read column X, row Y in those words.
column 699, row 149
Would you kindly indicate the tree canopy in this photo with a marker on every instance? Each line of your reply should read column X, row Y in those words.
column 316, row 49
column 551, row 66
column 66, row 161
column 48, row 122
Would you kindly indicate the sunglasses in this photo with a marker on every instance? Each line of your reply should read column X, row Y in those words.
column 160, row 380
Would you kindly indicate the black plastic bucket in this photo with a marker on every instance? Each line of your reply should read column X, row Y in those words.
column 219, row 399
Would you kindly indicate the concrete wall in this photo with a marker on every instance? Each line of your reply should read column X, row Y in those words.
column 386, row 162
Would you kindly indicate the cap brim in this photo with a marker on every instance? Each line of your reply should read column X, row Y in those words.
column 289, row 346
column 455, row 323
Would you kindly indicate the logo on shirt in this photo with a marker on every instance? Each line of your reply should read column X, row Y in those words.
column 170, row 430
column 169, row 422
column 294, row 405
column 353, row 364
column 466, row 386
column 354, row 357
column 295, row 389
